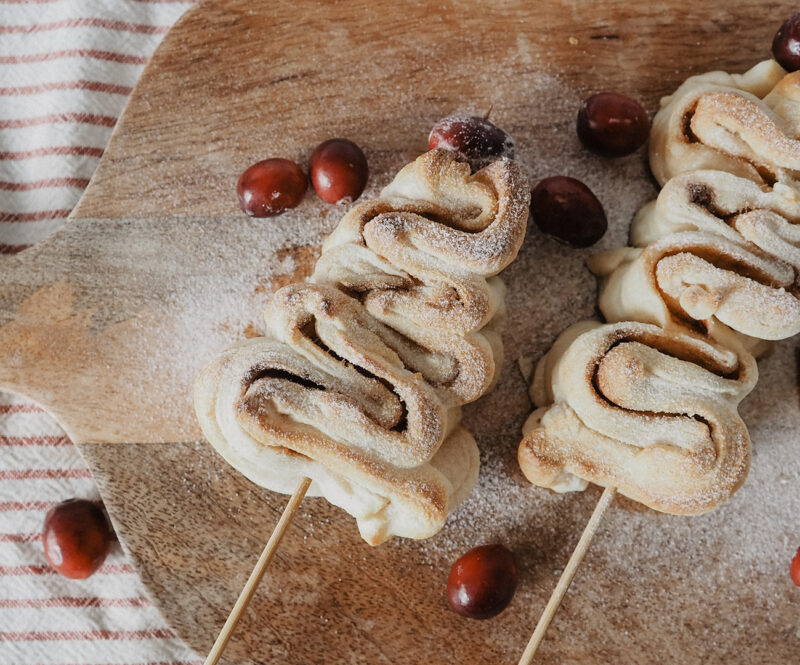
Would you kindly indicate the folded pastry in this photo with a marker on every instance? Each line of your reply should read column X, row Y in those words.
column 713, row 248
column 746, row 125
column 720, row 247
column 650, row 412
column 359, row 380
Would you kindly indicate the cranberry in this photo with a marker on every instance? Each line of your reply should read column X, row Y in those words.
column 270, row 187
column 794, row 569
column 339, row 171
column 568, row 210
column 786, row 45
column 482, row 582
column 76, row 537
column 474, row 139
column 612, row 125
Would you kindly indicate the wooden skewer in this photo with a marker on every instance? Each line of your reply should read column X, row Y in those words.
column 566, row 577
column 258, row 572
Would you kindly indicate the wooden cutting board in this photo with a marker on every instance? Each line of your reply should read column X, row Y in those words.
column 107, row 322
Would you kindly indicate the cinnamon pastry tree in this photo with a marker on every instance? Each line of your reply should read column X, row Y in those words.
column 744, row 124
column 720, row 247
column 647, row 404
column 359, row 380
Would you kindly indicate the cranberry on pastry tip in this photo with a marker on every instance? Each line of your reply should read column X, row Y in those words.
column 474, row 139
column 76, row 537
column 482, row 582
column 271, row 187
column 339, row 171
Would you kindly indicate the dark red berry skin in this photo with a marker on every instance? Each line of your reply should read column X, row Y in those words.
column 76, row 537
column 339, row 171
column 482, row 582
column 786, row 45
column 612, row 125
column 568, row 210
column 271, row 187
column 474, row 139
column 794, row 569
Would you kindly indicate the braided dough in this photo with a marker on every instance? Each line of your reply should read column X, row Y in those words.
column 359, row 381
column 651, row 413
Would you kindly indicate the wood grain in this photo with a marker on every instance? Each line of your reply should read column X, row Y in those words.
column 251, row 586
column 106, row 322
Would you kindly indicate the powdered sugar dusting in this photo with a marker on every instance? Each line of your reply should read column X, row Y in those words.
column 738, row 553
column 647, row 574
column 667, row 566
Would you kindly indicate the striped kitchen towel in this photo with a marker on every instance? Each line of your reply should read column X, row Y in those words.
column 66, row 69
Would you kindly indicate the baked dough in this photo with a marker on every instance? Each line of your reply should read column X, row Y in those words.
column 359, row 381
column 744, row 124
column 647, row 403
column 720, row 247
column 649, row 412
column 714, row 248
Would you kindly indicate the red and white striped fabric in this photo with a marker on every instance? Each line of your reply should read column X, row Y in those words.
column 66, row 68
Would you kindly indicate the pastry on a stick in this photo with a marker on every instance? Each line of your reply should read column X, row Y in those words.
column 649, row 412
column 359, row 380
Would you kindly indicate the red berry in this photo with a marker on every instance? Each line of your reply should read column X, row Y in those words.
column 786, row 45
column 568, row 210
column 794, row 569
column 270, row 187
column 339, row 171
column 612, row 125
column 474, row 139
column 482, row 582
column 76, row 537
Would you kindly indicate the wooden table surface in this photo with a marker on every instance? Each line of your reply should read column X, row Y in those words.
column 107, row 322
